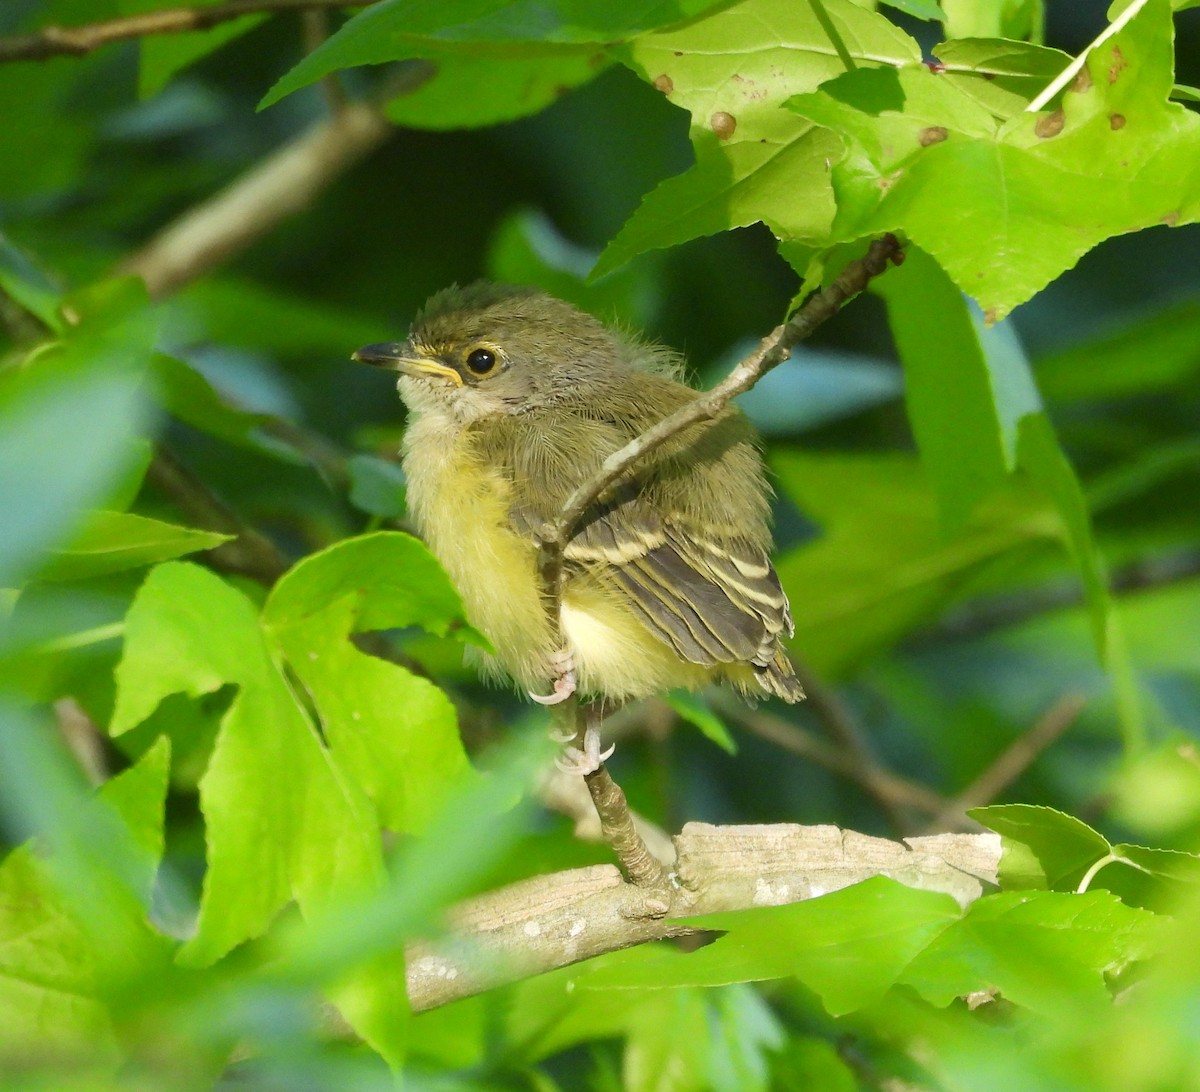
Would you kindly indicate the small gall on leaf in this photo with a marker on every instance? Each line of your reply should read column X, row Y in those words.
column 1049, row 125
column 723, row 124
column 935, row 66
column 1082, row 81
column 664, row 83
column 932, row 134
column 1116, row 121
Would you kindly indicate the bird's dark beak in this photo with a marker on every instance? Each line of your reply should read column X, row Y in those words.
column 398, row 356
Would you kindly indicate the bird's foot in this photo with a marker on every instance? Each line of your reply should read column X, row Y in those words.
column 562, row 664
column 573, row 760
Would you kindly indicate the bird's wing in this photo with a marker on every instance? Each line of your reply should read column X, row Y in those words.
column 710, row 594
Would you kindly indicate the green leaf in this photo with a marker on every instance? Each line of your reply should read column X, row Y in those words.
column 848, row 947
column 517, row 87
column 1041, row 457
column 313, row 834
column 394, row 734
column 1059, row 848
column 999, row 74
column 746, row 59
column 190, row 397
column 783, row 183
column 60, row 951
column 963, row 407
column 402, row 29
column 696, row 711
column 113, row 541
column 731, row 70
column 1117, row 157
column 1047, row 951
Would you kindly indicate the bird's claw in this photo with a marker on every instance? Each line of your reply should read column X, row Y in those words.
column 562, row 663
column 589, row 759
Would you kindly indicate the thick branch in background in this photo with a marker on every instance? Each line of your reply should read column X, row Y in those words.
column 75, row 41
column 279, row 186
column 539, row 924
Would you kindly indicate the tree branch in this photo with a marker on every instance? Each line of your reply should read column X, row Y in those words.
column 274, row 189
column 891, row 790
column 57, row 41
column 551, row 921
column 1013, row 761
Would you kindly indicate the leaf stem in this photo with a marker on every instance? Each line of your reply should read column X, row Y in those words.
column 818, row 7
column 1068, row 73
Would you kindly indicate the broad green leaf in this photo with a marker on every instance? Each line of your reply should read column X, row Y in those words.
column 964, row 410
column 1057, row 848
column 882, row 564
column 394, row 734
column 696, row 711
column 1115, row 158
column 190, row 397
column 313, row 834
column 401, row 29
column 516, row 87
column 999, row 74
column 731, row 70
column 782, row 182
column 848, row 947
column 745, row 59
column 112, row 541
column 1045, row 951
column 58, row 949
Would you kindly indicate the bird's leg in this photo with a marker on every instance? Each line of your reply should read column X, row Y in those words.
column 588, row 758
column 562, row 665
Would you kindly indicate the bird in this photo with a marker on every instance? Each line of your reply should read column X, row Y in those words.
column 515, row 398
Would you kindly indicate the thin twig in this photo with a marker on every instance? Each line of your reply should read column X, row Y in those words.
column 1013, row 761
column 891, row 790
column 57, row 41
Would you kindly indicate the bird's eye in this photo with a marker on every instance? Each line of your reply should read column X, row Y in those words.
column 481, row 361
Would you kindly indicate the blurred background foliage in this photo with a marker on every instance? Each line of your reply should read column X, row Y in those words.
column 933, row 646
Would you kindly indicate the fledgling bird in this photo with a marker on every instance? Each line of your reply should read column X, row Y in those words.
column 515, row 398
